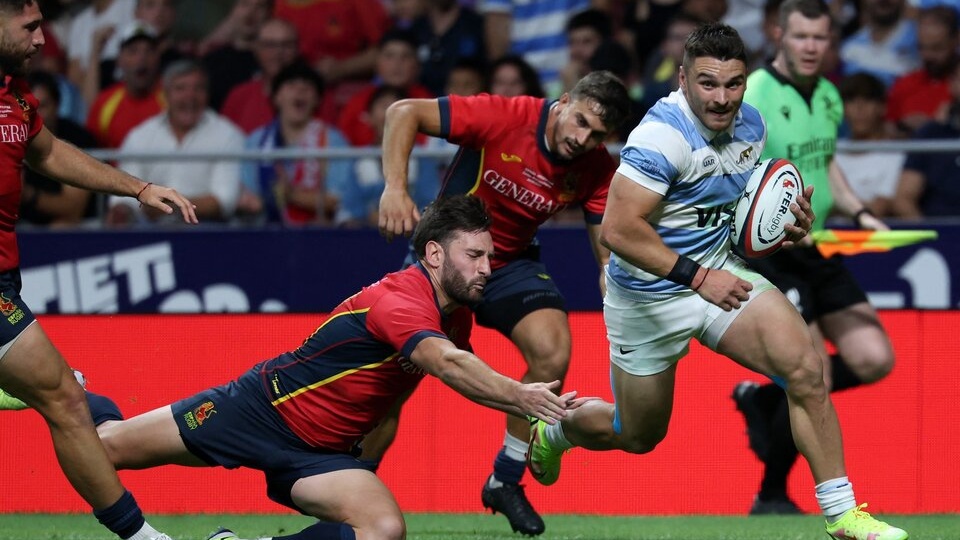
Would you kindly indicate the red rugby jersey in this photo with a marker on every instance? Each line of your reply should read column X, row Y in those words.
column 19, row 122
column 343, row 380
column 504, row 160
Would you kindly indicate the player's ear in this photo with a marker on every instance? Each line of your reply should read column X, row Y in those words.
column 434, row 254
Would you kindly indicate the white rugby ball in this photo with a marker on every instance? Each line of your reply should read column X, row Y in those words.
column 763, row 211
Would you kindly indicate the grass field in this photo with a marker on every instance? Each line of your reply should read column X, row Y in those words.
column 485, row 527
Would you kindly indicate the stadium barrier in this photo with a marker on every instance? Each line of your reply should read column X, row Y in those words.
column 900, row 435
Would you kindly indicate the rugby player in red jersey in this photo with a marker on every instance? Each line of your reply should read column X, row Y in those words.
column 32, row 371
column 301, row 417
column 527, row 158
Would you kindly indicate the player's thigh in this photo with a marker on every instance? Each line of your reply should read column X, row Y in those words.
column 644, row 404
column 32, row 369
column 147, row 440
column 515, row 291
column 352, row 496
column 769, row 336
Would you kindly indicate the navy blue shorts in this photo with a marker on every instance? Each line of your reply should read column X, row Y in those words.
column 235, row 426
column 816, row 285
column 15, row 316
column 514, row 291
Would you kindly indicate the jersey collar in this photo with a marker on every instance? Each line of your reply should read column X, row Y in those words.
column 718, row 137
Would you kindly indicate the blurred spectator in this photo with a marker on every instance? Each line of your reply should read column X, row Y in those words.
column 228, row 57
column 645, row 24
column 52, row 59
column 872, row 175
column 95, row 36
column 585, row 31
column 886, row 44
column 361, row 198
column 534, row 29
column 928, row 185
column 248, row 104
column 662, row 70
column 44, row 201
column 511, row 76
column 747, row 16
column 187, row 126
column 446, row 34
column 397, row 65
column 295, row 191
column 915, row 98
column 161, row 14
column 339, row 39
column 138, row 96
column 705, row 10
column 468, row 77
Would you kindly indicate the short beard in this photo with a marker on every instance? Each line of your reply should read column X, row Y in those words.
column 456, row 287
column 13, row 65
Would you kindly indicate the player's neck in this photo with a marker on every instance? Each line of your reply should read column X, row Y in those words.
column 551, row 126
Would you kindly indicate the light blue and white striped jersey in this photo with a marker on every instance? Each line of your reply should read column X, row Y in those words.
column 701, row 175
column 538, row 33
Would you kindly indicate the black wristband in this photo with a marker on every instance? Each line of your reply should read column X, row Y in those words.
column 861, row 212
column 683, row 271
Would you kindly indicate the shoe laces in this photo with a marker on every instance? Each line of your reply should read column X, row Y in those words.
column 861, row 518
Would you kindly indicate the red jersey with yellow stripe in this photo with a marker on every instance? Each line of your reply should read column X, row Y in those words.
column 343, row 380
column 115, row 112
column 19, row 122
column 504, row 160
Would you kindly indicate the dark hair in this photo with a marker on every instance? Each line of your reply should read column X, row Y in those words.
column 862, row 85
column 47, row 81
column 297, row 71
column 386, row 90
column 447, row 216
column 402, row 35
column 598, row 20
column 531, row 79
column 15, row 6
column 810, row 9
column 613, row 57
column 714, row 40
column 608, row 92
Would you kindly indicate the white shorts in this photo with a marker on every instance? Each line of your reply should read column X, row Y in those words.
column 647, row 337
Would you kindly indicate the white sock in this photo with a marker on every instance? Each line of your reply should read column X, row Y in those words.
column 514, row 448
column 835, row 498
column 556, row 438
column 145, row 533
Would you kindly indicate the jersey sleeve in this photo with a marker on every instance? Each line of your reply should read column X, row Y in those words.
column 403, row 322
column 654, row 155
column 472, row 120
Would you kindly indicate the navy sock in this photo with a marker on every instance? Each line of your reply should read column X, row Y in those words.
column 123, row 517
column 102, row 408
column 843, row 377
column 783, row 454
column 323, row 531
column 507, row 470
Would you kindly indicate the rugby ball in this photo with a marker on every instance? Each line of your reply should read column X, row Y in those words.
column 757, row 229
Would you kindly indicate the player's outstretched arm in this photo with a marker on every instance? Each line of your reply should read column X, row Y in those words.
column 66, row 163
column 470, row 376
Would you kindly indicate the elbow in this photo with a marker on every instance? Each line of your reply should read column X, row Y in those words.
column 610, row 237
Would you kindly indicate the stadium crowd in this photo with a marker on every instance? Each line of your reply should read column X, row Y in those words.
column 229, row 75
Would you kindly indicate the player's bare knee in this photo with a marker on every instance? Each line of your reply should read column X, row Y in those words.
column 805, row 383
column 548, row 365
column 386, row 527
column 641, row 442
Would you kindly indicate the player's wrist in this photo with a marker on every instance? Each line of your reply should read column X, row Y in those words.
column 684, row 271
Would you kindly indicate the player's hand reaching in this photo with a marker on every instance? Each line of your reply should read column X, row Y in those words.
column 722, row 288
column 161, row 197
column 398, row 213
column 538, row 400
column 797, row 234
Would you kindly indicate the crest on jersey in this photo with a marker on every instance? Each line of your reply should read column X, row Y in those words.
column 568, row 188
column 745, row 155
column 23, row 106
